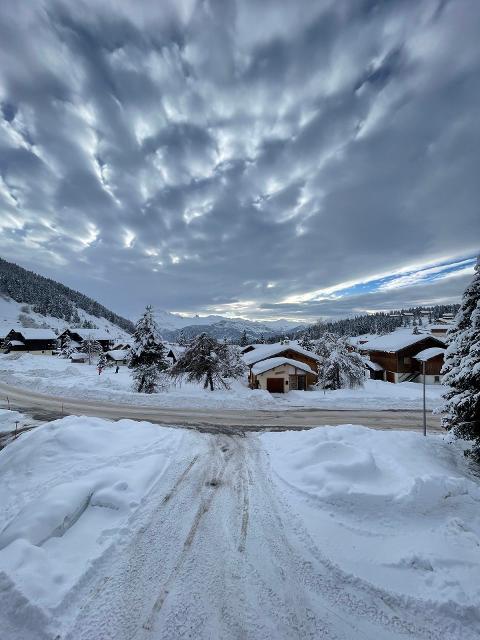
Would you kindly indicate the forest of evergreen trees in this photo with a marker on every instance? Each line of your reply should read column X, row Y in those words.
column 48, row 297
column 381, row 323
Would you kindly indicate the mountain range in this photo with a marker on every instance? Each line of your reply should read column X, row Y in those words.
column 29, row 299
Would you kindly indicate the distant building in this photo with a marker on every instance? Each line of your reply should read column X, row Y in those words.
column 395, row 353
column 439, row 330
column 118, row 356
column 77, row 336
column 34, row 341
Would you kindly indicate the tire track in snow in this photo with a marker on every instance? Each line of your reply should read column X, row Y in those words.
column 203, row 508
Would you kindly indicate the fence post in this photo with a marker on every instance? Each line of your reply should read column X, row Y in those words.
column 8, row 402
column 16, row 430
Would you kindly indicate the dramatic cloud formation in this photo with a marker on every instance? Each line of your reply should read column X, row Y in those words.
column 258, row 158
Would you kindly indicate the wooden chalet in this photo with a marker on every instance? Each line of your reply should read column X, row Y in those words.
column 439, row 330
column 433, row 359
column 280, row 367
column 395, row 353
column 118, row 356
column 77, row 336
column 34, row 341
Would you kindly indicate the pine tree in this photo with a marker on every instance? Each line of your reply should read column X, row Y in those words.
column 182, row 339
column 68, row 348
column 209, row 360
column 305, row 342
column 244, row 339
column 102, row 360
column 147, row 357
column 415, row 328
column 462, row 369
column 91, row 347
column 340, row 367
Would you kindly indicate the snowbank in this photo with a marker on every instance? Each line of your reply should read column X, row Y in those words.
column 395, row 509
column 57, row 376
column 68, row 489
column 8, row 419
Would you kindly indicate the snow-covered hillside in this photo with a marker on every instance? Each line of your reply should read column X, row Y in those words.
column 16, row 315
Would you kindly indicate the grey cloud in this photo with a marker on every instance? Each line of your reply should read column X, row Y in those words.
column 236, row 144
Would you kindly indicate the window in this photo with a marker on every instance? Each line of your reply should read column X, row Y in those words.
column 437, row 378
column 407, row 360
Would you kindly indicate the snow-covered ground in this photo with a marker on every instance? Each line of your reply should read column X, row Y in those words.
column 57, row 376
column 8, row 419
column 129, row 530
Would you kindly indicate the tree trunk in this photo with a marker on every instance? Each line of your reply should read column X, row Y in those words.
column 210, row 381
column 142, row 382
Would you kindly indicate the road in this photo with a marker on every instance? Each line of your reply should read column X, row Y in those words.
column 45, row 407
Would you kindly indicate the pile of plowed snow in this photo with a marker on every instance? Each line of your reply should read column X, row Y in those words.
column 68, row 490
column 393, row 508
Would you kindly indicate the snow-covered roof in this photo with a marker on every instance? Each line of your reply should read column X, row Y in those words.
column 264, row 351
column 374, row 366
column 428, row 354
column 37, row 334
column 118, row 354
column 397, row 341
column 439, row 327
column 271, row 363
column 16, row 343
column 92, row 334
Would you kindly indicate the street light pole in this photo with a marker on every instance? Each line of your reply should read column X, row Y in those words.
column 424, row 402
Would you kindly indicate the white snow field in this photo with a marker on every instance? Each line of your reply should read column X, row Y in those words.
column 58, row 376
column 122, row 530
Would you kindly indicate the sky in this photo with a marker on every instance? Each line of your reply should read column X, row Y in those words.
column 268, row 159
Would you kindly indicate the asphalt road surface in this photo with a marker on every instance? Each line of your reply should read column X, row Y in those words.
column 45, row 407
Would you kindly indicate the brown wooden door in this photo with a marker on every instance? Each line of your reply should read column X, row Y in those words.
column 390, row 376
column 275, row 385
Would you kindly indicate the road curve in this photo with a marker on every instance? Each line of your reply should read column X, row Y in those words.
column 49, row 407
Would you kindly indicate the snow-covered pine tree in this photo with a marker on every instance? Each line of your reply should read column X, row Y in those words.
column 415, row 328
column 234, row 364
column 243, row 339
column 182, row 339
column 91, row 347
column 102, row 360
column 305, row 342
column 340, row 367
column 209, row 360
column 462, row 369
column 147, row 357
column 68, row 348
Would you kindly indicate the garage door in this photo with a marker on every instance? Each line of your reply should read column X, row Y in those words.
column 275, row 385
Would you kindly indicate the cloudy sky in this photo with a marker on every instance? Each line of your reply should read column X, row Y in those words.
column 265, row 159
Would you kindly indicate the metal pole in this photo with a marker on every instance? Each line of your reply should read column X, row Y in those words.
column 424, row 402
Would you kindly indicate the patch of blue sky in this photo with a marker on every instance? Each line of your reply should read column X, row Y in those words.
column 405, row 278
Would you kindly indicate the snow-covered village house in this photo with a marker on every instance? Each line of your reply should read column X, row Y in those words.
column 34, row 341
column 280, row 368
column 396, row 353
column 117, row 356
column 77, row 336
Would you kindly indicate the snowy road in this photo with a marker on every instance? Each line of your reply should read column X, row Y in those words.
column 215, row 552
column 47, row 407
